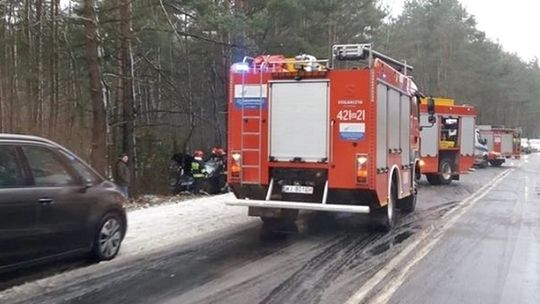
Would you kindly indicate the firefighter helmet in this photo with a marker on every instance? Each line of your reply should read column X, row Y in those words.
column 198, row 153
column 217, row 151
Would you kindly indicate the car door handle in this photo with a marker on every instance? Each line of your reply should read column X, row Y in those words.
column 46, row 201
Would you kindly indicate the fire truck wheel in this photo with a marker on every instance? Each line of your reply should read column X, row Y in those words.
column 446, row 171
column 433, row 179
column 384, row 218
column 408, row 204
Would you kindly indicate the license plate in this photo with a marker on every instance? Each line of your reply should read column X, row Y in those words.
column 297, row 189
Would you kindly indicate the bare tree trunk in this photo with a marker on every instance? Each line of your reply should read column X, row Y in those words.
column 30, row 98
column 127, row 84
column 54, row 94
column 218, row 135
column 98, row 153
column 3, row 65
column 1, row 100
column 39, row 58
column 14, row 85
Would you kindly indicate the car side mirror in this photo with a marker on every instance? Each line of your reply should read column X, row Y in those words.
column 86, row 185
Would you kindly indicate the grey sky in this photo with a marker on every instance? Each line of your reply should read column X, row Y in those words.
column 514, row 24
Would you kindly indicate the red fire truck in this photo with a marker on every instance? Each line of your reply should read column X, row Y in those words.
column 447, row 147
column 502, row 143
column 339, row 135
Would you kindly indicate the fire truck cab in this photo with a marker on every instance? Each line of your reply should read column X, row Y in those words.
column 503, row 143
column 338, row 135
column 447, row 147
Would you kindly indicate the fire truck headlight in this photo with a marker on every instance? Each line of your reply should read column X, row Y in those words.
column 421, row 163
column 361, row 169
column 235, row 165
column 240, row 67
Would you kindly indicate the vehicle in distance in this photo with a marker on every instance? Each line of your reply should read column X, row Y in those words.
column 534, row 145
column 53, row 205
column 503, row 143
column 525, row 146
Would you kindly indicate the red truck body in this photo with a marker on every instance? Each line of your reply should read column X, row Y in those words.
column 447, row 148
column 339, row 139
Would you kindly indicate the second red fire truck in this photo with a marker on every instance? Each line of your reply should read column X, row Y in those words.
column 338, row 135
column 447, row 147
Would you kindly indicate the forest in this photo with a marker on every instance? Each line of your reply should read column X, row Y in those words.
column 149, row 77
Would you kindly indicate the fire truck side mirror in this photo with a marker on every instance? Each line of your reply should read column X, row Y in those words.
column 431, row 106
column 431, row 111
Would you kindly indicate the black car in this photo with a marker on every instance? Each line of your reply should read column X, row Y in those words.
column 53, row 205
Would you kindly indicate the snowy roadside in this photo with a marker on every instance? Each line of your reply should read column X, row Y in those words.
column 154, row 228
column 149, row 230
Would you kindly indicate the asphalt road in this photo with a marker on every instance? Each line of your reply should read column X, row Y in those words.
column 327, row 262
column 491, row 254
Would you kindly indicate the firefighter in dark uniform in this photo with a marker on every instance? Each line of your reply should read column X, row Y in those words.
column 220, row 158
column 198, row 170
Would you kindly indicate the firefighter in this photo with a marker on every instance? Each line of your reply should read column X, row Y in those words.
column 219, row 157
column 198, row 170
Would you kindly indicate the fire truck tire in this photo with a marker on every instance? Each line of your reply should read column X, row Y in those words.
column 446, row 171
column 433, row 179
column 384, row 218
column 408, row 204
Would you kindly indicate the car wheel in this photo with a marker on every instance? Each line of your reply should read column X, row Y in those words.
column 108, row 237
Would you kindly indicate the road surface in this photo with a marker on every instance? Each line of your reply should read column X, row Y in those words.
column 490, row 255
column 478, row 244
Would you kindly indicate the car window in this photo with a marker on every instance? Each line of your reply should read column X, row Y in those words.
column 46, row 167
column 10, row 170
column 86, row 175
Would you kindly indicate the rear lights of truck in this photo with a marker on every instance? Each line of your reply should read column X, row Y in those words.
column 361, row 169
column 235, row 165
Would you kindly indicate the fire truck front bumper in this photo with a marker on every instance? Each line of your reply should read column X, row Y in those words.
column 299, row 206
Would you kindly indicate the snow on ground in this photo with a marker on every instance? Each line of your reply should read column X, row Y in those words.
column 150, row 230
column 155, row 228
column 151, row 200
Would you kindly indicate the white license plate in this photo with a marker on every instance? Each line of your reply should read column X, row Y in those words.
column 297, row 189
